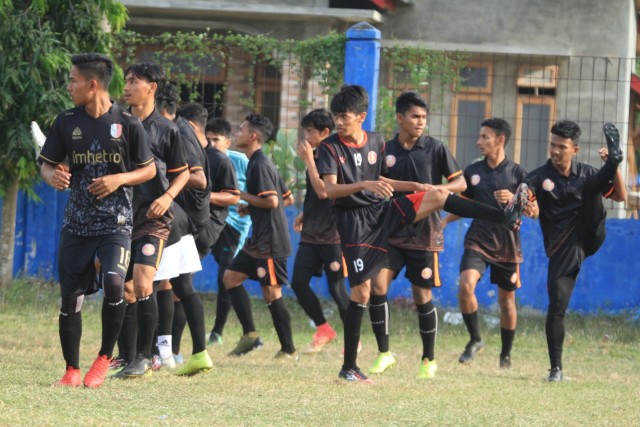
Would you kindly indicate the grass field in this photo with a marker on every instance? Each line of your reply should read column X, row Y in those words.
column 601, row 359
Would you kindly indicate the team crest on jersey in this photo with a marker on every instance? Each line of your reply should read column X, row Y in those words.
column 343, row 159
column 548, row 185
column 261, row 272
column 475, row 179
column 116, row 130
column 426, row 273
column 76, row 134
column 372, row 157
column 148, row 249
column 390, row 160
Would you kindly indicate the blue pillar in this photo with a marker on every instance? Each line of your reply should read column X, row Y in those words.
column 362, row 65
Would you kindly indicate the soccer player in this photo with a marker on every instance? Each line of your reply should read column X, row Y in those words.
column 231, row 239
column 101, row 142
column 153, row 214
column 264, row 255
column 319, row 241
column 415, row 157
column 351, row 166
column 572, row 218
column 492, row 180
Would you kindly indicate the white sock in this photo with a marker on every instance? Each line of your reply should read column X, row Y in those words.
column 164, row 346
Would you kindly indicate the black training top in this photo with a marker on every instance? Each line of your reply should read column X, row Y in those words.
column 193, row 201
column 108, row 145
column 318, row 221
column 353, row 163
column 167, row 147
column 491, row 239
column 223, row 179
column 270, row 233
column 560, row 200
column 428, row 162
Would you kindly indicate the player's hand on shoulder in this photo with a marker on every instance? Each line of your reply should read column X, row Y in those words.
column 503, row 196
column 105, row 185
column 297, row 223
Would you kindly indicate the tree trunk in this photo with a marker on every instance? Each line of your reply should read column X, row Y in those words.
column 8, row 234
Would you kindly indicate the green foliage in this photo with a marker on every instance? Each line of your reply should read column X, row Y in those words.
column 283, row 151
column 37, row 38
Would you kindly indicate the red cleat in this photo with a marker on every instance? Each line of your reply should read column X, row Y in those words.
column 97, row 373
column 71, row 378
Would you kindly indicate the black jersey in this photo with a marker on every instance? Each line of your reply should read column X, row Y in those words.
column 108, row 145
column 491, row 239
column 270, row 235
column 166, row 146
column 223, row 179
column 427, row 162
column 560, row 200
column 195, row 202
column 353, row 163
column 318, row 221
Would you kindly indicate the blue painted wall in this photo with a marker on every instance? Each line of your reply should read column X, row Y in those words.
column 609, row 281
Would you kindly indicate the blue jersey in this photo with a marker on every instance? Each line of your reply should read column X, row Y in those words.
column 239, row 223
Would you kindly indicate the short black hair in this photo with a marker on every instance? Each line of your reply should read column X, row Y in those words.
column 167, row 99
column 408, row 100
column 261, row 125
column 567, row 129
column 350, row 99
column 218, row 126
column 499, row 126
column 153, row 73
column 195, row 113
column 319, row 119
column 94, row 66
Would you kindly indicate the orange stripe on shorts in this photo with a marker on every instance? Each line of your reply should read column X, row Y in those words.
column 272, row 272
column 436, row 271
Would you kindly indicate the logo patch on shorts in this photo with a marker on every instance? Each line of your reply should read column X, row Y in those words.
column 475, row 179
column 514, row 277
column 334, row 266
column 426, row 273
column 261, row 272
column 372, row 157
column 116, row 130
column 548, row 185
column 391, row 160
column 148, row 249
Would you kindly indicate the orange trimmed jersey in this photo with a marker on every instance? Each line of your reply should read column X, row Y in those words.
column 167, row 147
column 269, row 236
column 560, row 200
column 492, row 240
column 429, row 161
column 111, row 144
column 353, row 163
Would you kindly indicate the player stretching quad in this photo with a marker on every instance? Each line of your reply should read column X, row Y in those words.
column 572, row 218
column 412, row 156
column 319, row 241
column 264, row 255
column 101, row 142
column 492, row 180
column 236, row 228
column 352, row 168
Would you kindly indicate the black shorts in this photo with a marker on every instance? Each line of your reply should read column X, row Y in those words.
column 364, row 233
column 422, row 266
column 179, row 225
column 567, row 260
column 77, row 260
column 504, row 274
column 224, row 249
column 316, row 257
column 267, row 271
column 146, row 250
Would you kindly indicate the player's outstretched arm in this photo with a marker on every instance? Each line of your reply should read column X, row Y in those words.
column 336, row 191
column 107, row 184
column 269, row 202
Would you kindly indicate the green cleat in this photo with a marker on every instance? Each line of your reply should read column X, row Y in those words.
column 383, row 362
column 286, row 357
column 249, row 341
column 427, row 369
column 199, row 362
column 215, row 338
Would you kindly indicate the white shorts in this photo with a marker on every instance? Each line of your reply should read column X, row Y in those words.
column 179, row 258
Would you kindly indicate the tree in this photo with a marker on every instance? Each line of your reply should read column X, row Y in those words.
column 36, row 40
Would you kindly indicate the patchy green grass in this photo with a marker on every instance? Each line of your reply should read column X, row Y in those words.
column 601, row 357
